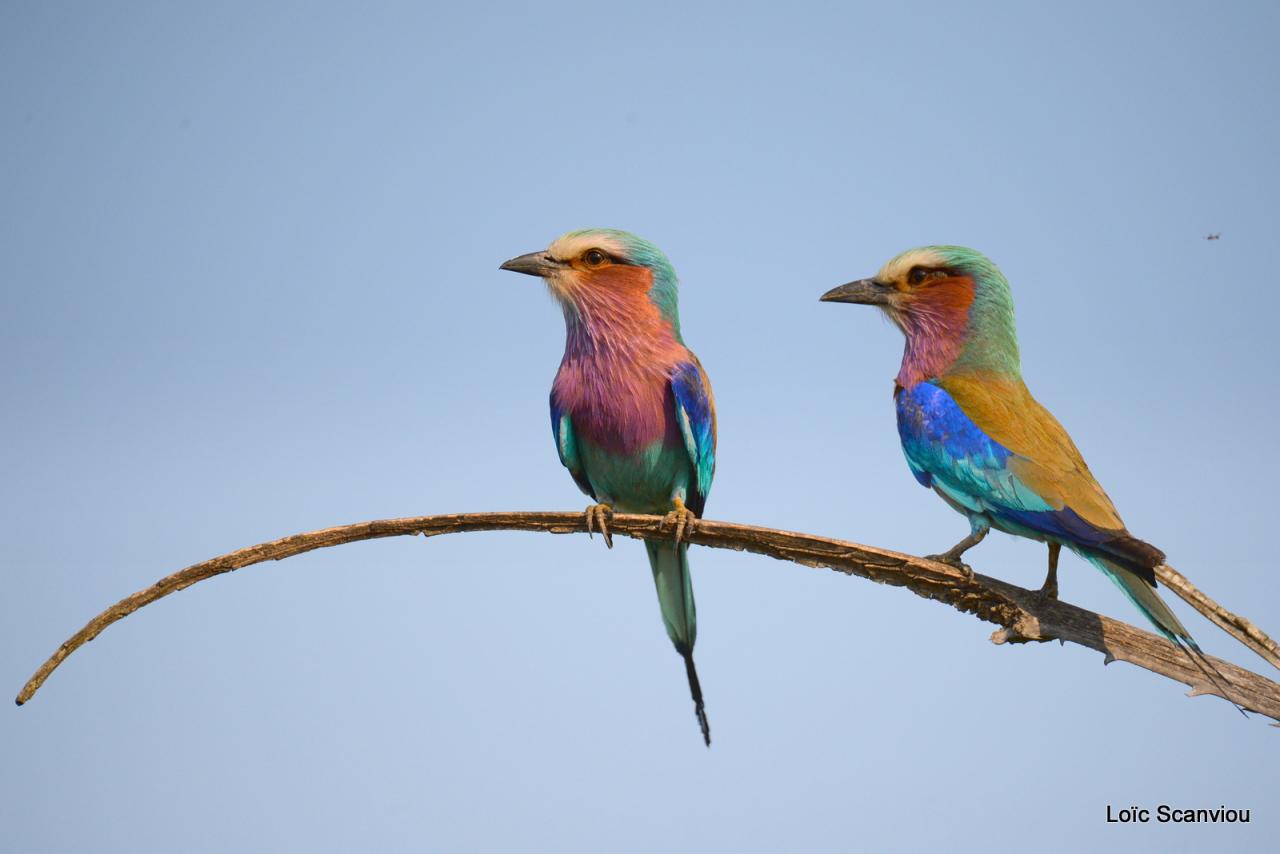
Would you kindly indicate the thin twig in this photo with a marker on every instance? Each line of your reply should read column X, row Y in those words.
column 1238, row 627
column 1022, row 614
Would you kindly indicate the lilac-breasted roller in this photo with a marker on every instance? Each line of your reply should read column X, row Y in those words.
column 632, row 413
column 973, row 433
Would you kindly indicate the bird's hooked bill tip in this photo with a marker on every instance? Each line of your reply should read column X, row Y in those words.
column 863, row 292
column 532, row 264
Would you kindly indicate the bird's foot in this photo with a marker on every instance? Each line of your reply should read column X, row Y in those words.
column 1048, row 591
column 681, row 518
column 953, row 559
column 598, row 516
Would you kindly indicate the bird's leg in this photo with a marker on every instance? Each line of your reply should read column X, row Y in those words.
column 952, row 555
column 681, row 518
column 1050, row 588
column 598, row 517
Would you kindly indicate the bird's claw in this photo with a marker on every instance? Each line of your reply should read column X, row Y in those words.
column 1048, row 591
column 598, row 517
column 953, row 560
column 681, row 518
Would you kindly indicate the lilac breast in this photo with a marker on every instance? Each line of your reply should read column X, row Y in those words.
column 616, row 409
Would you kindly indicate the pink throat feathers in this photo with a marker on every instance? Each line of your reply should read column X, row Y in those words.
column 614, row 377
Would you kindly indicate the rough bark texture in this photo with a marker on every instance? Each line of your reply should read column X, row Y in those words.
column 1238, row 627
column 1022, row 615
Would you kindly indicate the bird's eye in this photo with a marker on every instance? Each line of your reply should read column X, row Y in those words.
column 917, row 275
column 594, row 258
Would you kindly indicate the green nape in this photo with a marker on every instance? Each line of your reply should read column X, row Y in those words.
column 991, row 338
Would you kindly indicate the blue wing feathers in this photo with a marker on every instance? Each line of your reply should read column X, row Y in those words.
column 948, row 451
column 695, row 413
column 923, row 477
column 567, row 447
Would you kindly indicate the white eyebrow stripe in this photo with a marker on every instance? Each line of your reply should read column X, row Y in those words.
column 898, row 267
column 571, row 246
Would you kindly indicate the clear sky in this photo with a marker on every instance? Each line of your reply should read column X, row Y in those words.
column 249, row 259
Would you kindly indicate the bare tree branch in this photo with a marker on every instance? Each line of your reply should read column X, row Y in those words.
column 1022, row 615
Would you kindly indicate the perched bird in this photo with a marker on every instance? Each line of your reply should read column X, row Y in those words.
column 632, row 413
column 973, row 433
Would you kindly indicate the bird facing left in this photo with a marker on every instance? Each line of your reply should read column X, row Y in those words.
column 632, row 412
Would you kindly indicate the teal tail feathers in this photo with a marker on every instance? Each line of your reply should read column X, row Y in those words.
column 1145, row 598
column 670, row 565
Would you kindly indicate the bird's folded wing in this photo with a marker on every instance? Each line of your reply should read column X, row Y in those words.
column 567, row 447
column 989, row 447
column 1040, row 456
column 948, row 451
column 696, row 415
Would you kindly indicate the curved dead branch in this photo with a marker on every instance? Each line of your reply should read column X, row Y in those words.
column 1022, row 615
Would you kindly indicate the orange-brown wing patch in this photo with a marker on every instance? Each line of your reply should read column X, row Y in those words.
column 1046, row 460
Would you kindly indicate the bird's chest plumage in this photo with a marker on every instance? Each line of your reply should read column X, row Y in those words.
column 627, row 436
column 614, row 385
column 619, row 409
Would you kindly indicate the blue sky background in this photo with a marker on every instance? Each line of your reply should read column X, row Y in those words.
column 249, row 259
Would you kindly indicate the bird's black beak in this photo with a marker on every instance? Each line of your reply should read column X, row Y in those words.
column 533, row 264
column 863, row 291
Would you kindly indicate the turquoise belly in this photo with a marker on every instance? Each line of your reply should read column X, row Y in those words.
column 638, row 483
